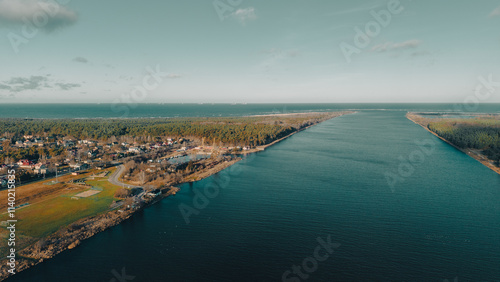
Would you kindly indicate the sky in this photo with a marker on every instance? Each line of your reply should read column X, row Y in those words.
column 242, row 51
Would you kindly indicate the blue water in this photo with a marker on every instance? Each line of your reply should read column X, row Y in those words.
column 441, row 221
column 210, row 110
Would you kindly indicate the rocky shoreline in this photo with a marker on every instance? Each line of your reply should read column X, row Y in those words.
column 71, row 236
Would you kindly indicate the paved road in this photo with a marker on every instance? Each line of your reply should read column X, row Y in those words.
column 113, row 178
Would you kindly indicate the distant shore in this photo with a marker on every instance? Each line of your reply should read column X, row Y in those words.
column 474, row 154
column 263, row 147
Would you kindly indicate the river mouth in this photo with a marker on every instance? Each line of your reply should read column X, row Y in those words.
column 439, row 222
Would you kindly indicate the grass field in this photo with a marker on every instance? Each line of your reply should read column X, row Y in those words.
column 52, row 212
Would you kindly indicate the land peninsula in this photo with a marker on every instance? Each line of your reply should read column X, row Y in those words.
column 477, row 135
column 78, row 177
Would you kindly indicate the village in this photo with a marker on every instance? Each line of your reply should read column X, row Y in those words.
column 95, row 185
column 68, row 155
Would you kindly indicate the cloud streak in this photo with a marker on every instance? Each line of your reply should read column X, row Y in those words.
column 67, row 86
column 19, row 84
column 34, row 82
column 46, row 15
column 80, row 60
column 174, row 76
column 495, row 13
column 390, row 46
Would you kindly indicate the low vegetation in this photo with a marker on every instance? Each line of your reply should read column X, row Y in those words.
column 478, row 133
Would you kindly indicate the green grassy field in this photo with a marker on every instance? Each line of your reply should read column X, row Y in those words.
column 46, row 217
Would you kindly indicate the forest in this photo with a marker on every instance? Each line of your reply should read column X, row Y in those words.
column 482, row 134
column 250, row 131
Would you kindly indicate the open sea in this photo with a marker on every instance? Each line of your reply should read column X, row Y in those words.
column 212, row 110
column 397, row 203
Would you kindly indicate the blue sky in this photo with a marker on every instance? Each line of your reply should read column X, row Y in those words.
column 246, row 51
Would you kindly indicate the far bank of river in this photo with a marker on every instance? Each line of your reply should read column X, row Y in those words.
column 472, row 153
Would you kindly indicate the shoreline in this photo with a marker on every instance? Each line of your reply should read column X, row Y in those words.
column 475, row 155
column 263, row 147
column 67, row 238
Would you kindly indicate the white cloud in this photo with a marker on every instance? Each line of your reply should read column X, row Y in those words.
column 495, row 13
column 46, row 15
column 244, row 15
column 390, row 46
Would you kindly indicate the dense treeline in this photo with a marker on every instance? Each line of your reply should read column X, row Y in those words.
column 482, row 134
column 238, row 130
column 32, row 153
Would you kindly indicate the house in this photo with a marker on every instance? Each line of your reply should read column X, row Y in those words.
column 79, row 166
column 3, row 182
column 19, row 144
column 28, row 143
column 40, row 168
column 135, row 150
column 25, row 164
column 67, row 143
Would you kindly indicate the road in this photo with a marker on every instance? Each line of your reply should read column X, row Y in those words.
column 113, row 178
